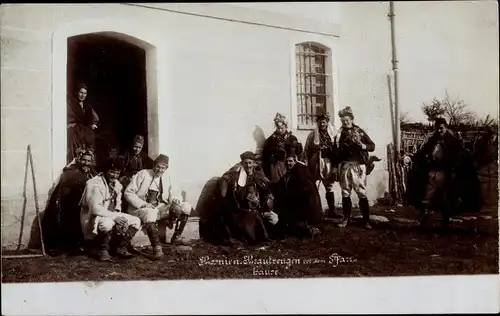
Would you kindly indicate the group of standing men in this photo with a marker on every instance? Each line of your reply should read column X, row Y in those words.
column 282, row 197
column 101, row 208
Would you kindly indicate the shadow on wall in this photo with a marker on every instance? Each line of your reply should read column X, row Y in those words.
column 260, row 138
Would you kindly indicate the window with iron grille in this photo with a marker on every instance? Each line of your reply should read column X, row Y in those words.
column 313, row 92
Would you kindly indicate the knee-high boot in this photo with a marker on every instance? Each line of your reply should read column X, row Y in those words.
column 179, row 228
column 346, row 209
column 330, row 199
column 365, row 211
column 102, row 243
column 123, row 242
column 154, row 238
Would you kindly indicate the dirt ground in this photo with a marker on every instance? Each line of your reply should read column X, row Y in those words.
column 393, row 248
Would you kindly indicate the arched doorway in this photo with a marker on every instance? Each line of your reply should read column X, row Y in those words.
column 115, row 72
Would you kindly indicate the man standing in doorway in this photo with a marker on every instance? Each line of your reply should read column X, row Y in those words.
column 320, row 152
column 151, row 196
column 82, row 121
column 354, row 144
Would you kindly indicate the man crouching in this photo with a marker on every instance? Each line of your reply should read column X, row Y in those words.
column 101, row 216
column 152, row 197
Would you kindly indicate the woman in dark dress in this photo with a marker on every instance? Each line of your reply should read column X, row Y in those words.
column 82, row 121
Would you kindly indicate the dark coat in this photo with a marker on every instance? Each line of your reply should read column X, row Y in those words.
column 61, row 221
column 231, row 219
column 131, row 168
column 274, row 152
column 297, row 198
column 462, row 189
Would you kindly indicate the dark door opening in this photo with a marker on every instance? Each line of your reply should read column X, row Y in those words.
column 115, row 74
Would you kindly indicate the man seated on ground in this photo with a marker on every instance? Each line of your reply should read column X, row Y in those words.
column 152, row 196
column 102, row 218
column 298, row 203
column 61, row 221
column 245, row 206
column 135, row 160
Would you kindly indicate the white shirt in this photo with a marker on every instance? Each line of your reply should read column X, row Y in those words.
column 155, row 184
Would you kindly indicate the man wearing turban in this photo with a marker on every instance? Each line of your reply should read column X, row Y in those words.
column 82, row 121
column 152, row 196
column 245, row 206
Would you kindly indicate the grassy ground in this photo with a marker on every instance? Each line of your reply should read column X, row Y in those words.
column 390, row 249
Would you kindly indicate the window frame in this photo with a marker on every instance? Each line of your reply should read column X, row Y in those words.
column 330, row 80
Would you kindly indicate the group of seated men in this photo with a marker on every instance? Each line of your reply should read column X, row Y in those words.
column 103, row 211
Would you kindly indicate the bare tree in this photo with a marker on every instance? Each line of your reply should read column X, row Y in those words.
column 487, row 121
column 433, row 110
column 455, row 110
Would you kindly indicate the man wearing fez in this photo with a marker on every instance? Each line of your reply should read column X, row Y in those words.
column 152, row 196
column 61, row 221
column 354, row 144
column 102, row 218
column 298, row 203
column 82, row 121
column 245, row 208
column 320, row 152
column 135, row 160
column 273, row 152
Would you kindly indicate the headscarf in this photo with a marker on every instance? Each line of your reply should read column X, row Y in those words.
column 347, row 111
column 280, row 118
column 81, row 85
column 330, row 129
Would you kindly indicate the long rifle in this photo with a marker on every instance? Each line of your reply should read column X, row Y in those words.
column 37, row 209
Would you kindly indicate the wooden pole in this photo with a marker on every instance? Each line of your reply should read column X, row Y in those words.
column 37, row 208
column 396, row 91
column 391, row 106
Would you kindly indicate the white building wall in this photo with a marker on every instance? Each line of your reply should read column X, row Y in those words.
column 217, row 80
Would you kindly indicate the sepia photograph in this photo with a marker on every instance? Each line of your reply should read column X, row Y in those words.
column 253, row 142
